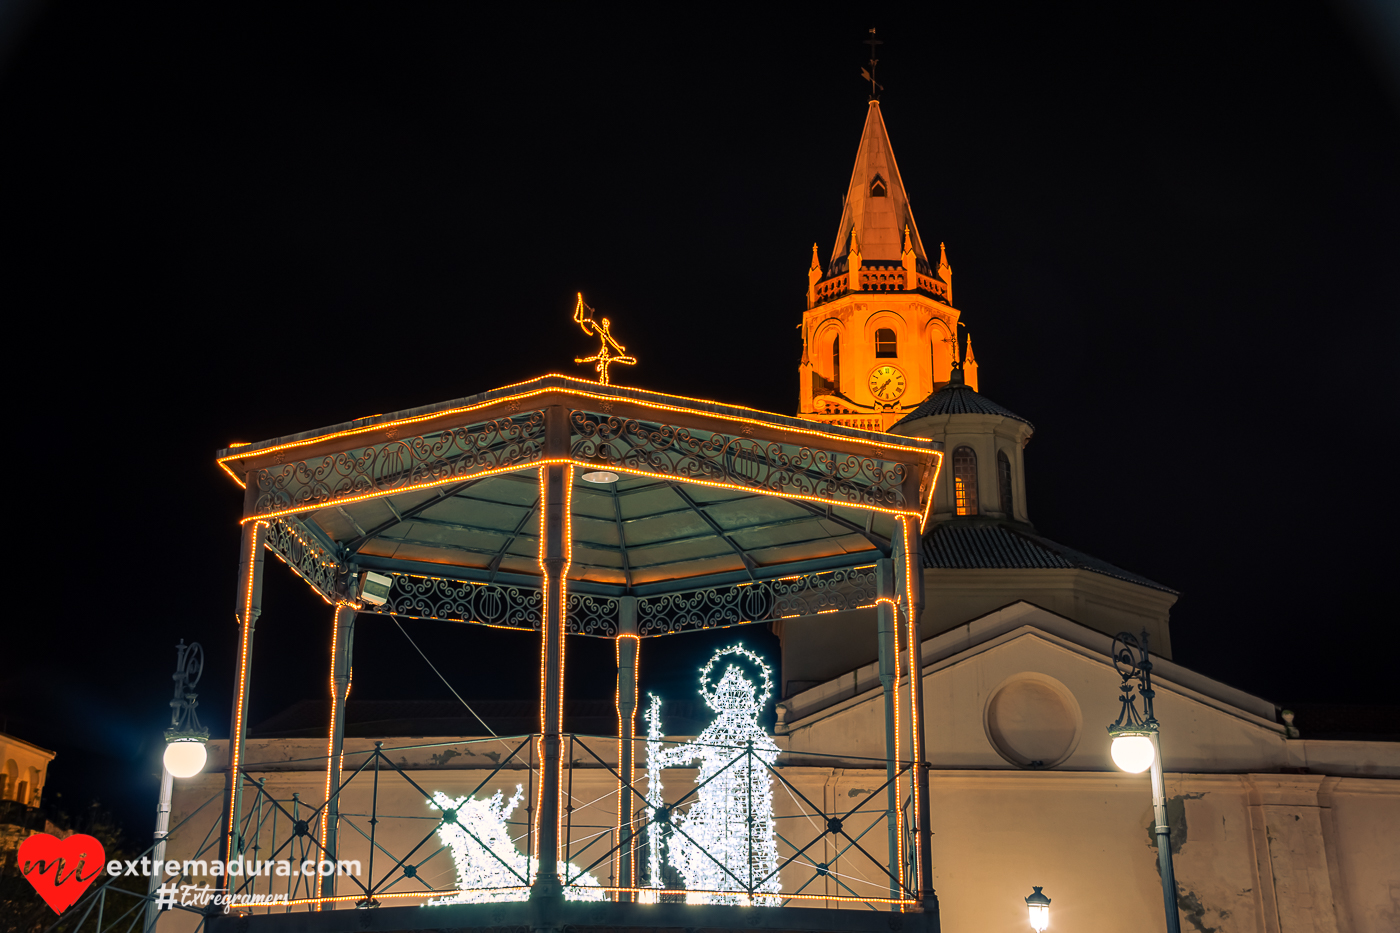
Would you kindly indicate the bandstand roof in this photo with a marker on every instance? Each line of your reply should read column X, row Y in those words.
column 446, row 499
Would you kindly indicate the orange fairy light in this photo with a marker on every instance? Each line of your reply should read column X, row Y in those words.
column 610, row 352
column 887, row 442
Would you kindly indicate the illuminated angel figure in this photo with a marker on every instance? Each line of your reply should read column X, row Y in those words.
column 610, row 352
column 714, row 845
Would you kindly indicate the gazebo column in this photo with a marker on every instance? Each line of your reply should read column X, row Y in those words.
column 555, row 489
column 627, row 644
column 247, row 609
column 342, row 653
column 887, row 630
column 911, row 577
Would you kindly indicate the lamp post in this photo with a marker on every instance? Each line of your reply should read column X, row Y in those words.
column 184, row 757
column 1135, row 749
column 1039, row 906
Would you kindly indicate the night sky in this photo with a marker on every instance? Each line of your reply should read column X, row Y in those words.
column 1173, row 234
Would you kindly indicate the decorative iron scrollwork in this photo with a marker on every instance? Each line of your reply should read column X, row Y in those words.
column 395, row 464
column 511, row 606
column 780, row 468
column 761, row 601
column 592, row 615
column 415, row 597
column 289, row 540
column 503, row 605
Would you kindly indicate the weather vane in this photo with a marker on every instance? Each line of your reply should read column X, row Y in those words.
column 869, row 74
column 610, row 352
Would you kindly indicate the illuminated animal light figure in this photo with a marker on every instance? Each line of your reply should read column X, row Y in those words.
column 489, row 867
column 610, row 353
column 726, row 840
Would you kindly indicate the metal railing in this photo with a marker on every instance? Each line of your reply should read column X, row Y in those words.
column 826, row 855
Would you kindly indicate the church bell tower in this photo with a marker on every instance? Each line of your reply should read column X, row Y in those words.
column 880, row 333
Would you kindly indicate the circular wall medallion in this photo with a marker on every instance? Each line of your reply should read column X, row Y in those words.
column 1033, row 721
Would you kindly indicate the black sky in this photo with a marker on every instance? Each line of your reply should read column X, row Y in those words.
column 1173, row 235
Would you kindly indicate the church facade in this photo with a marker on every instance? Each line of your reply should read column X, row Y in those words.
column 1272, row 829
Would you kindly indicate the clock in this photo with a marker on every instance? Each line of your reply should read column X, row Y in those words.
column 886, row 383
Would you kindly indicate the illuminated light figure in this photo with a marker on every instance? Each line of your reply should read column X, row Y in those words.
column 605, row 356
column 714, row 845
column 487, row 859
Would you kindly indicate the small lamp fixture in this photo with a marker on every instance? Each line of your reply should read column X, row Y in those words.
column 1132, row 751
column 601, row 477
column 374, row 588
column 1039, row 906
column 184, row 756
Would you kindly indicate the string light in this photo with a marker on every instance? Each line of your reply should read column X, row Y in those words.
column 626, row 726
column 726, row 841
column 895, row 442
column 605, row 356
column 333, row 766
column 915, row 676
column 245, row 642
column 489, row 867
column 933, row 485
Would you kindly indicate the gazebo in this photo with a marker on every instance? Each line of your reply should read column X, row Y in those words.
column 565, row 506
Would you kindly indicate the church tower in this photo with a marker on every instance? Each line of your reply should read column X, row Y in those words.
column 881, row 352
column 880, row 333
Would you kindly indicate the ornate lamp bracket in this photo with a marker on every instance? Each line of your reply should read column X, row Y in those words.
column 1132, row 660
column 184, row 721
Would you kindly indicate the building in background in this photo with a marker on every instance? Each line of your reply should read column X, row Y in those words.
column 24, row 767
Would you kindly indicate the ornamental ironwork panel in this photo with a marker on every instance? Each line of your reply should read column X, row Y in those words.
column 399, row 463
column 700, row 455
column 502, row 605
column 289, row 540
column 760, row 601
column 592, row 615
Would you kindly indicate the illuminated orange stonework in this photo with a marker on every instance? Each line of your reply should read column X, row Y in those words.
column 879, row 279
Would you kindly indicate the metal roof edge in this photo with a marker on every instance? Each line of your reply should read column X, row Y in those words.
column 560, row 381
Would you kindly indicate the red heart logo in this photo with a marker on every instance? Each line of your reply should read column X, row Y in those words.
column 61, row 869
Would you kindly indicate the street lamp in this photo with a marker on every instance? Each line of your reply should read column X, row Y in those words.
column 184, row 757
column 1135, row 749
column 1039, row 906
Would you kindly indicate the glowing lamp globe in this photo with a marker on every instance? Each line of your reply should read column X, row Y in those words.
column 1132, row 753
column 1039, row 906
column 185, row 757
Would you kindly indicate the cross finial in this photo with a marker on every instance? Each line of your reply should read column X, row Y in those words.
column 605, row 357
column 869, row 74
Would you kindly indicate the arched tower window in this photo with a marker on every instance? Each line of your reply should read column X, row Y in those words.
column 1004, row 482
column 885, row 345
column 836, row 362
column 965, row 481
column 941, row 352
column 877, row 187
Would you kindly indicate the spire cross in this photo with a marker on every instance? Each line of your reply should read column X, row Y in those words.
column 605, row 356
column 869, row 75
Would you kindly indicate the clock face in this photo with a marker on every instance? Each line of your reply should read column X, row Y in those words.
column 886, row 383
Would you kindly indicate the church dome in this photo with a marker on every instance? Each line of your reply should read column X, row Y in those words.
column 957, row 398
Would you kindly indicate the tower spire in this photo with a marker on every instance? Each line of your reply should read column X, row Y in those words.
column 877, row 206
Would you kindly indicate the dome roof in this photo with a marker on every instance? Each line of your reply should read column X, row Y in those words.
column 957, row 398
